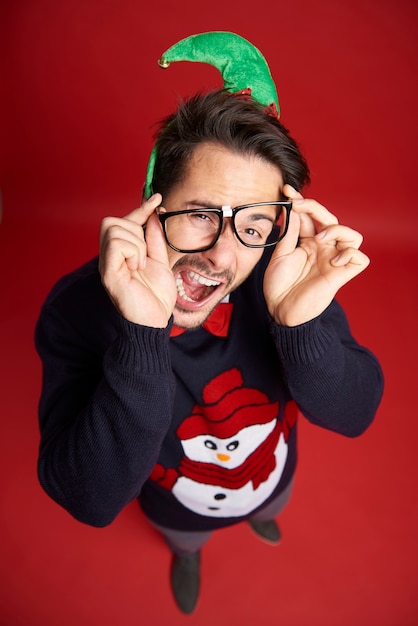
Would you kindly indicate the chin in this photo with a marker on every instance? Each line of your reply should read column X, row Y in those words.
column 185, row 318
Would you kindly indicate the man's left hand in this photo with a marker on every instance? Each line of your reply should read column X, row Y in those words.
column 316, row 257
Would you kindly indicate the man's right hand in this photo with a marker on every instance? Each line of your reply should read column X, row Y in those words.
column 136, row 272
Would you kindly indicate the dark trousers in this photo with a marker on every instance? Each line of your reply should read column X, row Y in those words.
column 184, row 542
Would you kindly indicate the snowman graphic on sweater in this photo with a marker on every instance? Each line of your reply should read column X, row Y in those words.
column 235, row 450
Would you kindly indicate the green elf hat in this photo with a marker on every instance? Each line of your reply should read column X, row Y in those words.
column 243, row 68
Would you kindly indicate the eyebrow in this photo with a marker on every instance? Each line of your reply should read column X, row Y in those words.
column 203, row 205
column 209, row 205
column 260, row 216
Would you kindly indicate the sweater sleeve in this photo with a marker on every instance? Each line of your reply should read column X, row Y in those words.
column 336, row 383
column 102, row 418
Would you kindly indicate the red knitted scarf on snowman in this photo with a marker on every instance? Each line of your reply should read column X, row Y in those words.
column 257, row 467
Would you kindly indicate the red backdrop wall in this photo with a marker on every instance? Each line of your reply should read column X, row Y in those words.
column 81, row 91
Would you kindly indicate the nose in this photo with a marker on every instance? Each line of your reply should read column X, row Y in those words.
column 223, row 253
column 223, row 457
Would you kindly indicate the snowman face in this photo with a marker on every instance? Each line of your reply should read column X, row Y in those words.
column 228, row 453
column 226, row 499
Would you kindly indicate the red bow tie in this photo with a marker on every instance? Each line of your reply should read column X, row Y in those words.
column 217, row 323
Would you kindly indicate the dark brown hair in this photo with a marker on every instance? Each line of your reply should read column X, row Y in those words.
column 241, row 125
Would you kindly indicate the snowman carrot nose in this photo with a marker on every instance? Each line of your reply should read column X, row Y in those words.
column 223, row 457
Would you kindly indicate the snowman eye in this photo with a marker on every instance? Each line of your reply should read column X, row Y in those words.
column 233, row 445
column 210, row 444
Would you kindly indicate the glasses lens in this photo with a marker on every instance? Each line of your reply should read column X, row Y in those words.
column 192, row 231
column 260, row 225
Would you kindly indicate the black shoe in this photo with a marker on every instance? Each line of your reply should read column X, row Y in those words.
column 266, row 530
column 185, row 580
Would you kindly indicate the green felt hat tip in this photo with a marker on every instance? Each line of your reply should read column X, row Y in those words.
column 241, row 65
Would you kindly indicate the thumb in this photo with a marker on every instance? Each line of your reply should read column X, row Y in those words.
column 290, row 241
column 156, row 244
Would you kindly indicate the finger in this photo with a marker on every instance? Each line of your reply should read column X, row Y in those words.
column 318, row 213
column 340, row 236
column 122, row 241
column 123, row 238
column 137, row 217
column 120, row 227
column 117, row 254
column 351, row 257
column 129, row 223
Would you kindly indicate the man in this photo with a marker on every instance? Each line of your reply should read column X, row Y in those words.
column 141, row 399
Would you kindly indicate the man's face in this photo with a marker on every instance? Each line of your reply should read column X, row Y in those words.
column 217, row 177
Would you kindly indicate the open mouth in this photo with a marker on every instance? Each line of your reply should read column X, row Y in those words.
column 194, row 290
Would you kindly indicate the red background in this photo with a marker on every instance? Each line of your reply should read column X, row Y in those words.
column 81, row 92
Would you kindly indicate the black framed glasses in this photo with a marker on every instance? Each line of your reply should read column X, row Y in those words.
column 257, row 225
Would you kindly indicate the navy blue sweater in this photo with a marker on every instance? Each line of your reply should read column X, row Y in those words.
column 201, row 428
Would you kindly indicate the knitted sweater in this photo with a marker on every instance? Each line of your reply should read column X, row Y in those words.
column 201, row 429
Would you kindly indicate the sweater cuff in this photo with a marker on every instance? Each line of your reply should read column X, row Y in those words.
column 304, row 343
column 142, row 348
